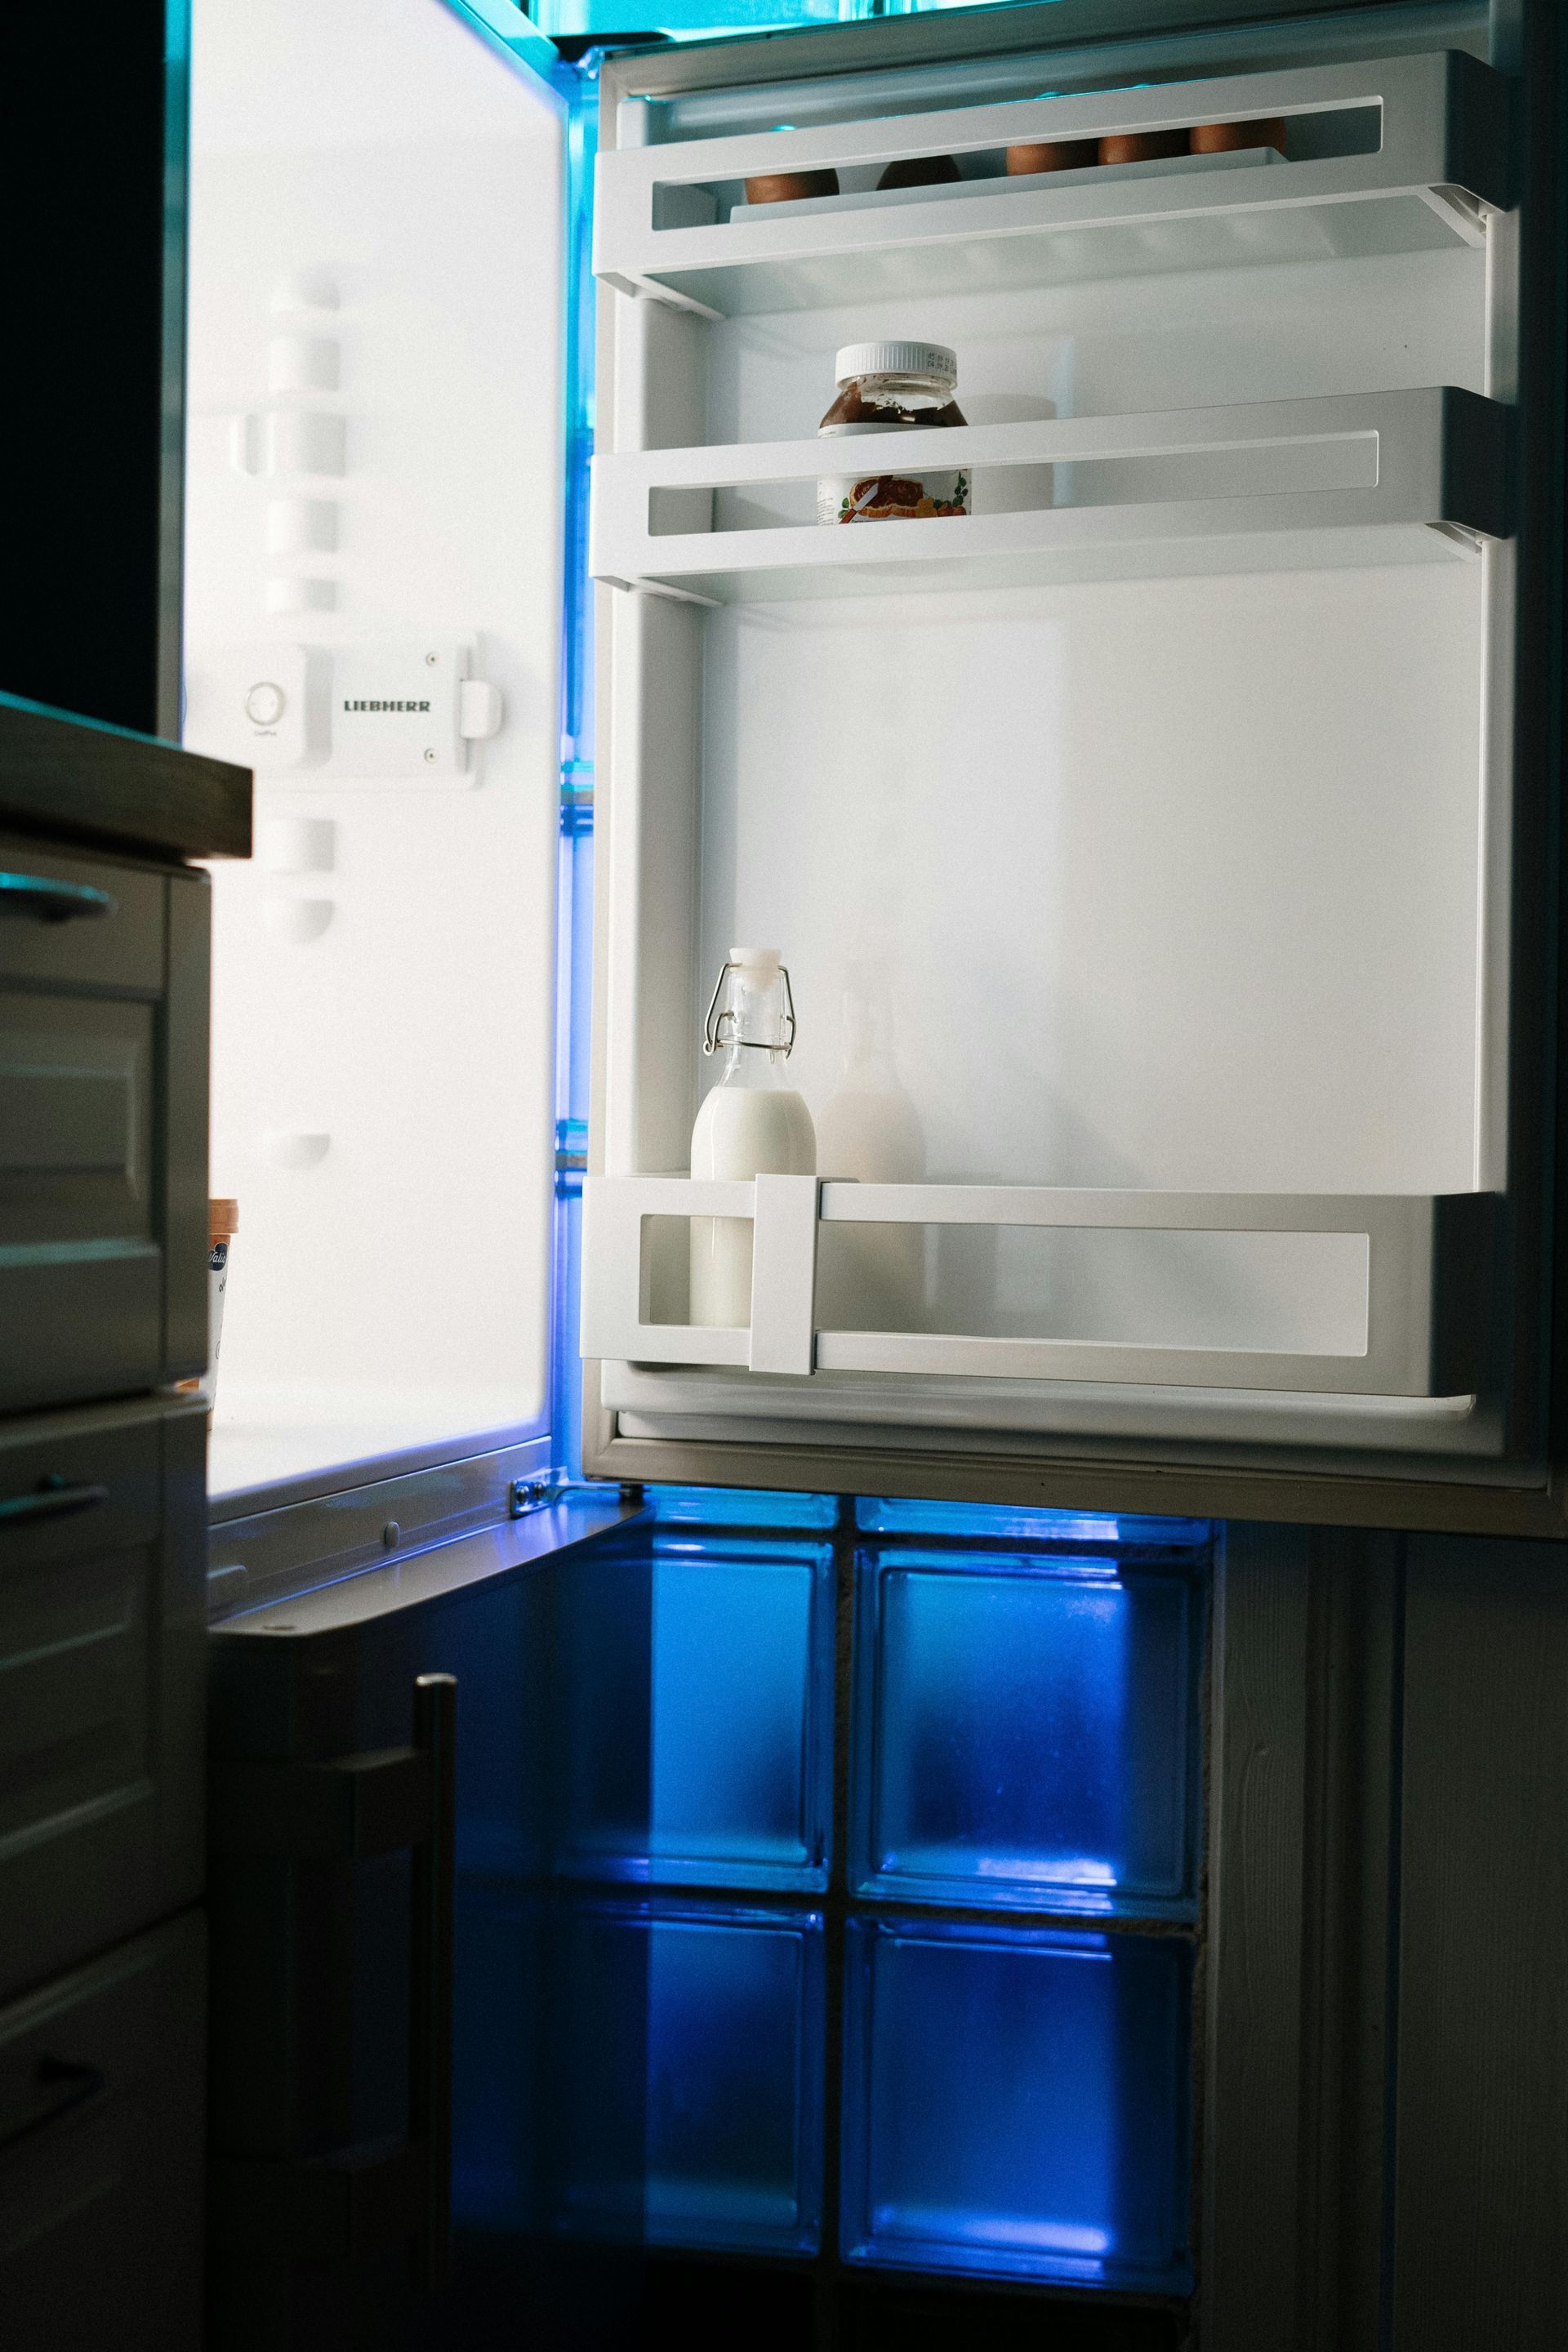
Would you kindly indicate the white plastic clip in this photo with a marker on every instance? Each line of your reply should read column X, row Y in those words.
column 478, row 710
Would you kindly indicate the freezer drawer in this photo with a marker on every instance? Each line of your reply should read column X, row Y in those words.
column 104, row 990
column 101, row 2146
column 102, row 1667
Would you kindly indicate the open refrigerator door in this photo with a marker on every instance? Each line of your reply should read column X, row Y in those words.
column 372, row 623
column 1146, row 829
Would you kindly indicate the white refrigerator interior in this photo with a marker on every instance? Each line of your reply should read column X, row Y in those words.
column 373, row 622
column 1138, row 843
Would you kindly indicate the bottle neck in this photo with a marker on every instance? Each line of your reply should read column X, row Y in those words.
column 753, row 1067
column 754, row 1027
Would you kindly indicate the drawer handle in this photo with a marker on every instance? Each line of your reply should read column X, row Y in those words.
column 53, row 902
column 57, row 2087
column 430, row 2024
column 53, row 1500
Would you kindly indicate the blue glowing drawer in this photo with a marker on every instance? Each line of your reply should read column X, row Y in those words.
column 1025, row 1732
column 689, row 2099
column 696, row 1685
column 1016, row 2103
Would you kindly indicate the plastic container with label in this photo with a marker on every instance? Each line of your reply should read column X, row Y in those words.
column 222, row 1223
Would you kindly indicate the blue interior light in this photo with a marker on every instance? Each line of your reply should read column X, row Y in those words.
column 1016, row 2103
column 688, row 2087
column 694, row 1698
column 1025, row 1732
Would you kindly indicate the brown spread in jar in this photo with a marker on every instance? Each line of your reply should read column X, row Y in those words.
column 893, row 387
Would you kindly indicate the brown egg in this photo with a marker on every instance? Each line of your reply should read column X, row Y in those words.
column 1141, row 146
column 920, row 172
column 1053, row 155
column 1226, row 138
column 789, row 188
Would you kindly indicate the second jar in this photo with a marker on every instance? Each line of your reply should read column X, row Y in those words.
column 894, row 387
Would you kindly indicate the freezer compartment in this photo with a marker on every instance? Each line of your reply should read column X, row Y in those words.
column 1373, row 1296
column 1386, row 155
column 1016, row 2103
column 101, row 2151
column 102, row 1667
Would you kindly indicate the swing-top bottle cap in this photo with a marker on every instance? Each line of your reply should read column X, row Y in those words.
column 749, row 973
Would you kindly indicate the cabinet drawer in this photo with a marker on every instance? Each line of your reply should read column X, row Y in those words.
column 103, row 1127
column 88, row 922
column 101, row 2152
column 103, row 1660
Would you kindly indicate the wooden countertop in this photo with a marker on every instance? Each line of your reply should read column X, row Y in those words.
column 76, row 780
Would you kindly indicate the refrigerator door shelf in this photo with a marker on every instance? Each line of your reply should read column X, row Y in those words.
column 1373, row 478
column 1422, row 1333
column 1427, row 162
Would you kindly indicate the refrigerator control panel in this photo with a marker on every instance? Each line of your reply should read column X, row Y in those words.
column 376, row 713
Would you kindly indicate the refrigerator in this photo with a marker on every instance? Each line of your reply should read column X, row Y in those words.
column 947, row 1839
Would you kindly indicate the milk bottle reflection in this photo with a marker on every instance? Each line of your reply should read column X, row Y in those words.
column 869, row 1278
column 751, row 1124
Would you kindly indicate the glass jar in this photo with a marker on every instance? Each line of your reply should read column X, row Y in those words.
column 892, row 388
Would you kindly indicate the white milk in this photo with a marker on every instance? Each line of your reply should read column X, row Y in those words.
column 751, row 1124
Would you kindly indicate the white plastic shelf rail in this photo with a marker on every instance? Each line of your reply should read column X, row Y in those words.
column 1425, row 1283
column 1432, row 162
column 1369, row 478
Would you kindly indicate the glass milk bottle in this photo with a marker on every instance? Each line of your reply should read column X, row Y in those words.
column 869, row 1278
column 751, row 1124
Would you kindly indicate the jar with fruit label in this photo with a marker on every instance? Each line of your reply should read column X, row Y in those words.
column 891, row 388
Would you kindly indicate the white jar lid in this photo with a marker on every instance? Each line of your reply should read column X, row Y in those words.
column 896, row 359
